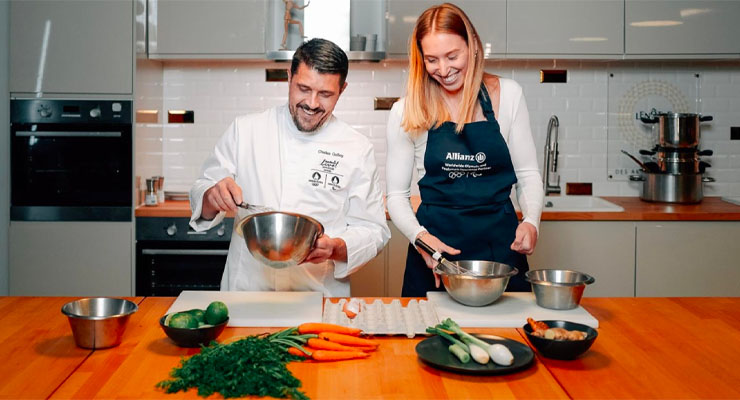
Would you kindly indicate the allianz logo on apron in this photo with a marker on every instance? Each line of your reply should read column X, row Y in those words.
column 323, row 174
column 458, row 165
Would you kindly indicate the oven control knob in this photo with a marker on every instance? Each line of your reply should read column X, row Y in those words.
column 44, row 111
column 95, row 112
column 221, row 230
column 172, row 230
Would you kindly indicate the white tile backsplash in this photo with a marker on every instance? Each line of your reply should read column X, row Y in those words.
column 219, row 91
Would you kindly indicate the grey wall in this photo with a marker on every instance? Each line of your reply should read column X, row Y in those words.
column 4, row 146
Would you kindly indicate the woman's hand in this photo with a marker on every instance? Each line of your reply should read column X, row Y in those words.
column 223, row 196
column 526, row 239
column 326, row 248
column 436, row 244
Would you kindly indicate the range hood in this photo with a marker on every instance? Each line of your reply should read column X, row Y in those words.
column 326, row 19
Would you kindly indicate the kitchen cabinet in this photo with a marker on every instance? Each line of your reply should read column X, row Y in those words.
column 59, row 258
column 383, row 275
column 71, row 46
column 577, row 27
column 207, row 29
column 682, row 27
column 602, row 249
column 687, row 259
column 488, row 17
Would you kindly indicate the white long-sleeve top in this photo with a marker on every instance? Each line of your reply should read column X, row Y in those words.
column 329, row 174
column 406, row 154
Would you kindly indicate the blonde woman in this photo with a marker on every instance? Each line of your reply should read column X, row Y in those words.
column 467, row 135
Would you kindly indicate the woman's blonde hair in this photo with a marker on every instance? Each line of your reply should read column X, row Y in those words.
column 425, row 108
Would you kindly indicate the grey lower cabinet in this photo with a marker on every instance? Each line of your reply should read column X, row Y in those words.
column 383, row 275
column 602, row 249
column 71, row 46
column 70, row 258
column 577, row 27
column 488, row 17
column 688, row 259
column 207, row 29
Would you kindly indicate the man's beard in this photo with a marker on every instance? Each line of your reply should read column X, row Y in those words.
column 294, row 113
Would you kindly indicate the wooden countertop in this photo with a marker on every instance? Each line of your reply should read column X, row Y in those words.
column 710, row 209
column 647, row 348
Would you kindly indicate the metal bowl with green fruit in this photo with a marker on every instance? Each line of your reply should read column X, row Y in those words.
column 196, row 327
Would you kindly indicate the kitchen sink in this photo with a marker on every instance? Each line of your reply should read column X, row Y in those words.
column 579, row 203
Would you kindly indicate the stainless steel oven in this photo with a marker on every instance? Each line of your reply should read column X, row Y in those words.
column 71, row 160
column 171, row 257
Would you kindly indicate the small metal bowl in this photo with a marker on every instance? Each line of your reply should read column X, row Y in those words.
column 562, row 349
column 558, row 289
column 280, row 239
column 481, row 282
column 192, row 337
column 98, row 322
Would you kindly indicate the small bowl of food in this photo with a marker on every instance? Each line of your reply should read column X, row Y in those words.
column 195, row 327
column 558, row 289
column 561, row 340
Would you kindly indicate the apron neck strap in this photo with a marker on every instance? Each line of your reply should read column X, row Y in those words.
column 485, row 103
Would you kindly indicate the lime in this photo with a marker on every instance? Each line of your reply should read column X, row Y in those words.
column 216, row 313
column 199, row 314
column 183, row 320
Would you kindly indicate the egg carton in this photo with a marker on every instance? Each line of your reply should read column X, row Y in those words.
column 379, row 318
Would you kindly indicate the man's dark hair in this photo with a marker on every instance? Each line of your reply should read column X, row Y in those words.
column 323, row 56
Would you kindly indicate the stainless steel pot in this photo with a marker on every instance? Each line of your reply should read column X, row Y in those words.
column 672, row 188
column 676, row 130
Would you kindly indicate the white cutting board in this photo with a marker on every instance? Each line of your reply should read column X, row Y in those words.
column 509, row 311
column 262, row 309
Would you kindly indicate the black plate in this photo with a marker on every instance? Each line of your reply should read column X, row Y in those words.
column 433, row 351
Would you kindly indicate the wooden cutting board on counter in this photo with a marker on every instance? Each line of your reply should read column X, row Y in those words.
column 261, row 309
column 509, row 311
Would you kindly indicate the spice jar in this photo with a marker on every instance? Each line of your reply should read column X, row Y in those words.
column 160, row 191
column 151, row 193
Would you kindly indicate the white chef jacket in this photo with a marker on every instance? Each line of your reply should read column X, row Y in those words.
column 406, row 153
column 329, row 174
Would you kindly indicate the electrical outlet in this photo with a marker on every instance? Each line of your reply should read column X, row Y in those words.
column 735, row 133
column 553, row 76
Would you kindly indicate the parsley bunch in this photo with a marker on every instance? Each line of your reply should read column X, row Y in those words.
column 254, row 366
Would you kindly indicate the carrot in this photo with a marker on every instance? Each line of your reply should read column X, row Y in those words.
column 297, row 352
column 318, row 327
column 321, row 344
column 331, row 355
column 348, row 340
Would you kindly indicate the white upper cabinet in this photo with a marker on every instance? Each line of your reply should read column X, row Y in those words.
column 682, row 27
column 488, row 17
column 567, row 27
column 71, row 46
column 207, row 29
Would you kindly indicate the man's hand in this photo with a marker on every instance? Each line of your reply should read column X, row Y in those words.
column 526, row 239
column 436, row 244
column 224, row 196
column 326, row 248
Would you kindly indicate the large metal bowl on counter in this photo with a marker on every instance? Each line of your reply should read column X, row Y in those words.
column 558, row 289
column 476, row 283
column 98, row 322
column 280, row 239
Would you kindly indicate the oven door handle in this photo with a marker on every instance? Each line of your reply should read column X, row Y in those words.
column 68, row 134
column 184, row 252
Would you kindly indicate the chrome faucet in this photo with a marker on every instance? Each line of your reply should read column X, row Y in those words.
column 550, row 169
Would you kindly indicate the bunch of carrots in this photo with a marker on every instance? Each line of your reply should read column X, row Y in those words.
column 324, row 342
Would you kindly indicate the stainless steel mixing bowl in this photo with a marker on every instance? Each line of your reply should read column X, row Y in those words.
column 280, row 239
column 558, row 289
column 479, row 284
column 98, row 322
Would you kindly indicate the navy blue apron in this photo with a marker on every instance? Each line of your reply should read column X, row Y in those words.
column 465, row 200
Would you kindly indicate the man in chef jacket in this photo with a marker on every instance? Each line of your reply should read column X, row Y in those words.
column 299, row 158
